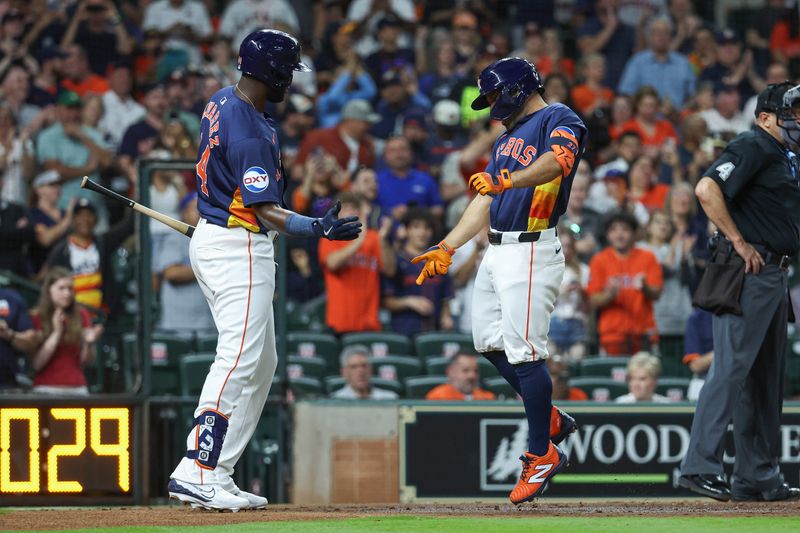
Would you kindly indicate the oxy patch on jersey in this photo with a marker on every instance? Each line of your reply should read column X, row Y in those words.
column 255, row 179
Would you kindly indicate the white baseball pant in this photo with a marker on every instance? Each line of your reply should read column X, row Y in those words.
column 236, row 271
column 515, row 293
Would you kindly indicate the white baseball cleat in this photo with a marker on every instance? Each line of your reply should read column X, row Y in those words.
column 254, row 501
column 207, row 496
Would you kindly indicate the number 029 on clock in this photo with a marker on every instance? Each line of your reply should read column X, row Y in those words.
column 65, row 451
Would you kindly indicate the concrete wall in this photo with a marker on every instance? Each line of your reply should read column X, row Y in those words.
column 345, row 452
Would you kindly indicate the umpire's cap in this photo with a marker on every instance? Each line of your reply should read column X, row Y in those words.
column 271, row 56
column 515, row 79
column 771, row 98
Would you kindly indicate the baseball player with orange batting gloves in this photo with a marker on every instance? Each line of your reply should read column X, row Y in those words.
column 521, row 195
column 240, row 187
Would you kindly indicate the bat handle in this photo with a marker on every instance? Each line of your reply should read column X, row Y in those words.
column 190, row 231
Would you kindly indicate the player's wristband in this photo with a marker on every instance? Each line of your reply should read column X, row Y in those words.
column 446, row 248
column 302, row 226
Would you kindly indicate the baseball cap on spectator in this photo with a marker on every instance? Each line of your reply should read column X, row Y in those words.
column 177, row 76
column 358, row 109
column 416, row 117
column 299, row 103
column 84, row 203
column 466, row 20
column 389, row 20
column 726, row 36
column 69, row 99
column 48, row 177
column 447, row 113
column 390, row 77
column 49, row 52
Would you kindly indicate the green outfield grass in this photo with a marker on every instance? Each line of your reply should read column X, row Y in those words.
column 424, row 524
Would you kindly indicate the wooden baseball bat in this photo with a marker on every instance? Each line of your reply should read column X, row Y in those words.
column 177, row 225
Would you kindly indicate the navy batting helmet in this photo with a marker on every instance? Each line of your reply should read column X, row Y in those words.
column 515, row 79
column 271, row 56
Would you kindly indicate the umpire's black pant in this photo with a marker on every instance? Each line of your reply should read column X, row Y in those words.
column 745, row 385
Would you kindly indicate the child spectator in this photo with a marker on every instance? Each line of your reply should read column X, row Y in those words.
column 673, row 253
column 698, row 349
column 463, row 381
column 353, row 269
column 49, row 221
column 623, row 283
column 417, row 308
column 67, row 337
column 569, row 317
column 642, row 378
column 356, row 369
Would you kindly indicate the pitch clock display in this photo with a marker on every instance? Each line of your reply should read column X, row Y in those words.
column 65, row 451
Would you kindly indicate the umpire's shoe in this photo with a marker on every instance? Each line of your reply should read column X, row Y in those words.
column 711, row 485
column 782, row 493
column 207, row 496
column 536, row 472
column 561, row 425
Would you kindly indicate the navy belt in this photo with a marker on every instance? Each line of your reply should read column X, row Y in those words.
column 496, row 237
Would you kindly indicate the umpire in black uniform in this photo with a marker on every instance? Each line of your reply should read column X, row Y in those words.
column 752, row 194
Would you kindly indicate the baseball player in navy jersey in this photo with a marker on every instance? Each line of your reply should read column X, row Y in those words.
column 240, row 187
column 521, row 195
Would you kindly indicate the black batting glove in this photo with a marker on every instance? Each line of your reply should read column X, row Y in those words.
column 337, row 229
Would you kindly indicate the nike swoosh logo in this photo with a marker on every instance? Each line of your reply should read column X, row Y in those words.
column 558, row 251
column 208, row 493
column 328, row 231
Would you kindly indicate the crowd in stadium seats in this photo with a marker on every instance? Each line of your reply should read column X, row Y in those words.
column 383, row 124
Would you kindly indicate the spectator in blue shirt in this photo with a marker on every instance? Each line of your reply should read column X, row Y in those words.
column 698, row 349
column 604, row 33
column 399, row 96
column 669, row 72
column 389, row 56
column 417, row 308
column 352, row 83
column 400, row 185
column 17, row 336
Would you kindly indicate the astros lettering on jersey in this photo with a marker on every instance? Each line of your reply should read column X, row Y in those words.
column 554, row 128
column 238, row 163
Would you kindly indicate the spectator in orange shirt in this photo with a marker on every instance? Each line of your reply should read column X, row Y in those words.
column 352, row 271
column 79, row 77
column 592, row 94
column 623, row 283
column 559, row 373
column 784, row 41
column 462, row 381
column 646, row 122
column 642, row 186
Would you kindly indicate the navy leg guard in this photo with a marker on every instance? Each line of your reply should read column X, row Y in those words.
column 211, row 429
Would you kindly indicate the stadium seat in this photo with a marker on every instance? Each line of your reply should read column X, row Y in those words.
column 303, row 387
column 206, row 343
column 193, row 372
column 396, row 367
column 436, row 366
column 334, row 383
column 792, row 386
column 381, row 343
column 500, row 387
column 418, row 387
column 443, row 344
column 165, row 353
column 671, row 349
column 314, row 344
column 298, row 367
column 605, row 367
column 673, row 388
column 600, row 389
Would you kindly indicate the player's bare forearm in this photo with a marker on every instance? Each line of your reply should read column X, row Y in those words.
column 713, row 202
column 543, row 170
column 273, row 216
column 475, row 217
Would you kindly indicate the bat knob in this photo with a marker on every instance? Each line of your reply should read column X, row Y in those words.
column 83, row 181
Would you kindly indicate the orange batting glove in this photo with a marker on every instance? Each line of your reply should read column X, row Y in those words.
column 437, row 261
column 484, row 183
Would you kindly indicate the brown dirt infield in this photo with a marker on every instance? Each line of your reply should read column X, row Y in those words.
column 65, row 519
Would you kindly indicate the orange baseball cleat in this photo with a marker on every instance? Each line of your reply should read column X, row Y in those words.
column 536, row 472
column 561, row 425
